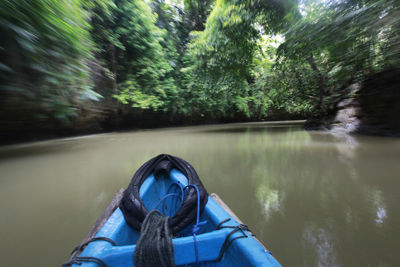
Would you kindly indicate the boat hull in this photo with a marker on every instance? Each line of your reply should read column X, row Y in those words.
column 243, row 251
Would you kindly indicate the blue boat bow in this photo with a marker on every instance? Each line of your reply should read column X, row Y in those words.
column 226, row 244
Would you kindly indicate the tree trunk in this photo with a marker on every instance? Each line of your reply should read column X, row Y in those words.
column 320, row 80
column 114, row 67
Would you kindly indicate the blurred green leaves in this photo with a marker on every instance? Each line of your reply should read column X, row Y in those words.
column 343, row 42
column 61, row 60
column 45, row 49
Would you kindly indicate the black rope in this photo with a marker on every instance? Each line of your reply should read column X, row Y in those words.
column 133, row 208
column 222, row 222
column 227, row 243
column 79, row 260
column 100, row 238
column 154, row 247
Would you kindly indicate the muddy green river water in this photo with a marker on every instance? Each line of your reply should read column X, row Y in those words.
column 313, row 198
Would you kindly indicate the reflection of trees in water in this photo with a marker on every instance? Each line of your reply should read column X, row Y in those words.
column 315, row 212
column 269, row 198
column 311, row 198
column 321, row 241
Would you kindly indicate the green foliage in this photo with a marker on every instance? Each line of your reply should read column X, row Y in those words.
column 131, row 94
column 276, row 83
column 226, row 57
column 192, row 58
column 197, row 13
column 136, row 51
column 45, row 48
column 343, row 42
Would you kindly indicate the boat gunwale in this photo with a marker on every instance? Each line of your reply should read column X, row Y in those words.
column 113, row 206
column 100, row 221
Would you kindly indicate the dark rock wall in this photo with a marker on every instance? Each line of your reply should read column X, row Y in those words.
column 373, row 107
column 379, row 99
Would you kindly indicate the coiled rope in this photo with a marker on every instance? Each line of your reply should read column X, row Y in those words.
column 154, row 247
column 80, row 260
column 133, row 208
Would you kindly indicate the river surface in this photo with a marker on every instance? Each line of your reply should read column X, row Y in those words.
column 313, row 198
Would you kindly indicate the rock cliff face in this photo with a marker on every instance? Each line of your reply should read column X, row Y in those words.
column 379, row 99
column 347, row 117
column 373, row 108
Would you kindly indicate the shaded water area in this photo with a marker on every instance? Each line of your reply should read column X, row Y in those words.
column 314, row 199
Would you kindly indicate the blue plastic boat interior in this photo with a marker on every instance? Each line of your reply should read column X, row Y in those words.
column 242, row 252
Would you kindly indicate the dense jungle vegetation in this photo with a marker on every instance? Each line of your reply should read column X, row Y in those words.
column 106, row 64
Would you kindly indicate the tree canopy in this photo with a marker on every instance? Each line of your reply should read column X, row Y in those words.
column 192, row 59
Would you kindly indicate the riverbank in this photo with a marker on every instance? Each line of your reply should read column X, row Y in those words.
column 47, row 136
column 346, row 121
column 116, row 120
column 371, row 107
